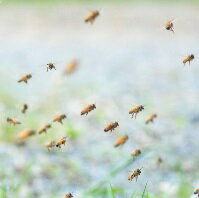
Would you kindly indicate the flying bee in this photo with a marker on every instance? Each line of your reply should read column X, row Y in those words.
column 111, row 126
column 151, row 118
column 136, row 110
column 91, row 16
column 169, row 25
column 13, row 121
column 87, row 109
column 50, row 145
column 188, row 58
column 196, row 192
column 71, row 67
column 159, row 161
column 50, row 66
column 44, row 128
column 59, row 118
column 135, row 174
column 121, row 140
column 136, row 153
column 26, row 133
column 25, row 78
column 68, row 195
column 24, row 109
column 61, row 141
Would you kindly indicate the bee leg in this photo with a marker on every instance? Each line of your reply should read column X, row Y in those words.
column 135, row 115
column 132, row 115
column 136, row 178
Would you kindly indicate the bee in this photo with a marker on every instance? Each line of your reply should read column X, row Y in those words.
column 13, row 121
column 50, row 145
column 91, row 16
column 44, row 129
column 136, row 110
column 26, row 133
column 151, row 118
column 169, row 25
column 59, row 118
column 61, row 141
column 50, row 66
column 24, row 109
column 121, row 140
column 25, row 78
column 87, row 109
column 196, row 192
column 135, row 174
column 188, row 58
column 68, row 195
column 136, row 153
column 111, row 126
column 159, row 161
column 71, row 66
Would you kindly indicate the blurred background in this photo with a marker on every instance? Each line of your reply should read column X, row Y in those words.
column 125, row 58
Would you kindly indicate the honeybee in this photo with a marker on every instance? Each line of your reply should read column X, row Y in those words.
column 111, row 126
column 87, row 109
column 169, row 25
column 50, row 66
column 25, row 78
column 151, row 118
column 159, row 161
column 26, row 133
column 135, row 174
column 68, row 195
column 136, row 110
column 91, row 16
column 24, row 109
column 50, row 145
column 61, row 141
column 71, row 66
column 196, row 192
column 136, row 153
column 59, row 118
column 44, row 129
column 13, row 121
column 121, row 140
column 188, row 58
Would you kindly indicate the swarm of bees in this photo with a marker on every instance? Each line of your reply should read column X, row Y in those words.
column 25, row 78
column 111, row 126
column 71, row 67
column 136, row 110
column 13, row 121
column 121, row 140
column 87, row 109
column 90, row 18
column 135, row 174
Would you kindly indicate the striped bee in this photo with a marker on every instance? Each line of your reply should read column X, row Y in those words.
column 87, row 109
column 136, row 110
column 50, row 145
column 61, row 141
column 151, row 118
column 25, row 78
column 121, row 140
column 136, row 153
column 24, row 109
column 26, row 133
column 68, row 195
column 44, row 128
column 111, row 126
column 188, row 59
column 13, row 121
column 59, row 118
column 135, row 174
column 90, row 18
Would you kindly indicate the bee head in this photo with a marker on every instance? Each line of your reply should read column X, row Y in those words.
column 192, row 56
column 94, row 106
